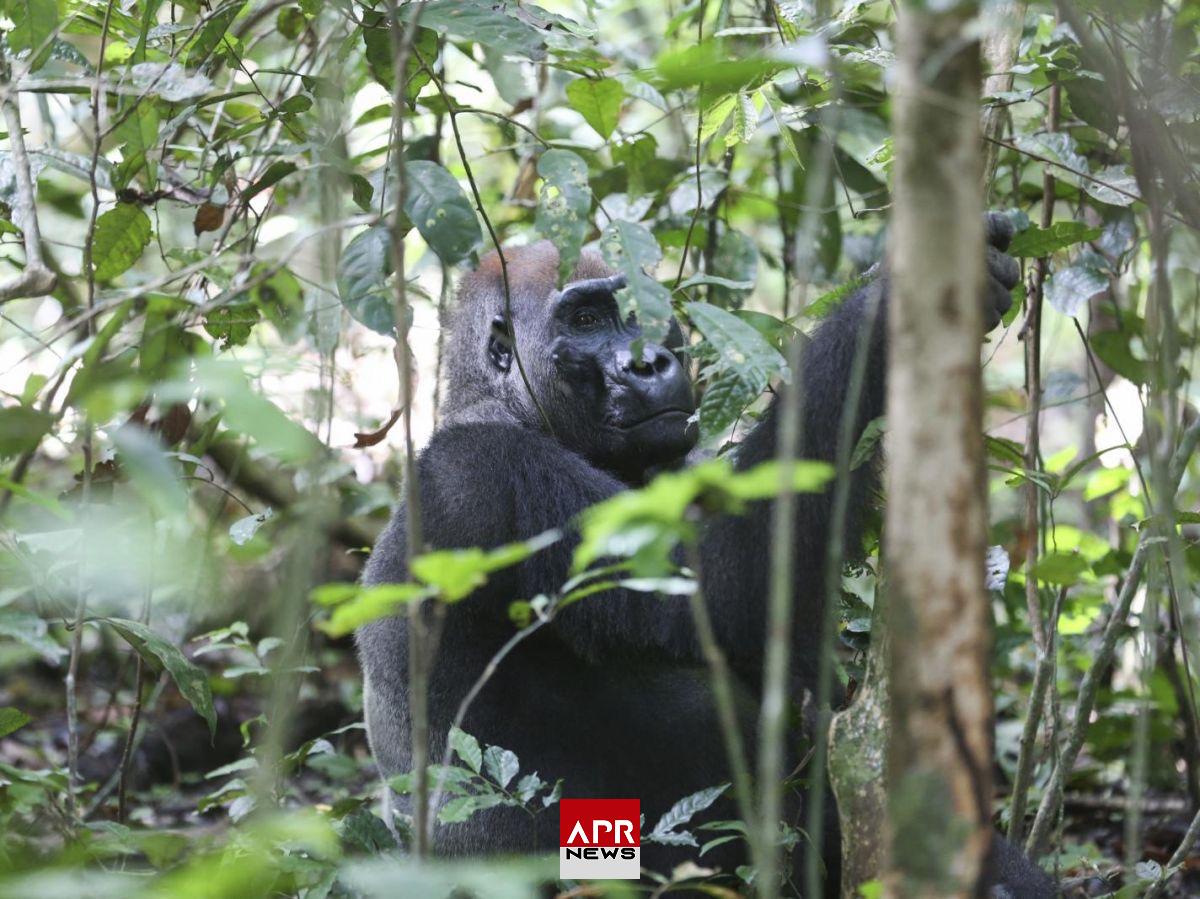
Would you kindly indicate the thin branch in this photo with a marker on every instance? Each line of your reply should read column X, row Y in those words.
column 1085, row 703
column 1177, row 858
column 37, row 279
column 491, row 230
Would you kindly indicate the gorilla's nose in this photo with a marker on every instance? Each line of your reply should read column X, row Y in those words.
column 655, row 361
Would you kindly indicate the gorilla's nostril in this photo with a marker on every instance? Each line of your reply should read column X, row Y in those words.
column 641, row 367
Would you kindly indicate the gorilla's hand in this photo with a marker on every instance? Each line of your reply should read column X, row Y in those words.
column 1003, row 272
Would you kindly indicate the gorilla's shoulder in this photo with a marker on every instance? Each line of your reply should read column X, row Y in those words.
column 491, row 450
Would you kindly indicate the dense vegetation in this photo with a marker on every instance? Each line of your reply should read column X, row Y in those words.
column 202, row 429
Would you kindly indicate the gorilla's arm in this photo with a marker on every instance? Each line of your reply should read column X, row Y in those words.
column 736, row 583
column 489, row 484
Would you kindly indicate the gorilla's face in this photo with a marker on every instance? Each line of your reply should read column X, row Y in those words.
column 626, row 413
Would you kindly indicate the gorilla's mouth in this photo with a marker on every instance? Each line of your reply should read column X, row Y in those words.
column 653, row 416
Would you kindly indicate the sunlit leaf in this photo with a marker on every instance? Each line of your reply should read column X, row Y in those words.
column 598, row 100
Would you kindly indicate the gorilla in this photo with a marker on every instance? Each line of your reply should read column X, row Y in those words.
column 614, row 695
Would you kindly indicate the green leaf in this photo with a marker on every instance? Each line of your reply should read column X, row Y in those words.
column 457, row 573
column 159, row 654
column 466, row 748
column 864, row 450
column 362, row 274
column 735, row 260
column 645, row 524
column 1035, row 242
column 1062, row 569
column 12, row 720
column 598, row 100
column 34, row 24
column 275, row 173
column 631, row 249
column 1113, row 349
column 745, row 121
column 436, row 204
column 377, row 39
column 1069, row 289
column 484, row 22
column 563, row 206
column 122, row 234
column 665, row 831
column 744, row 366
column 712, row 66
column 212, row 34
column 361, row 605
column 21, row 429
column 462, row 808
column 32, row 630
column 501, row 765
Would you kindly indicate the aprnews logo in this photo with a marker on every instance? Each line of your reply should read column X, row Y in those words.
column 599, row 839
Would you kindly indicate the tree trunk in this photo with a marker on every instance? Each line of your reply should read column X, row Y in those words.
column 939, row 754
column 857, row 755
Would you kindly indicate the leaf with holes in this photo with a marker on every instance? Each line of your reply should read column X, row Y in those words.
column 745, row 363
column 434, row 202
column 122, row 234
column 159, row 654
column 563, row 206
column 631, row 249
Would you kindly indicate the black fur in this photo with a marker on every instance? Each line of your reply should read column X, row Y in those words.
column 614, row 697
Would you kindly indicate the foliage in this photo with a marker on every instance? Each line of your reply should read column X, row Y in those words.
column 194, row 422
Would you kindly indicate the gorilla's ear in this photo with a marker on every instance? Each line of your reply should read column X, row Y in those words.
column 500, row 344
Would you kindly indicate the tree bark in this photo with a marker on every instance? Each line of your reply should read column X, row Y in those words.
column 939, row 754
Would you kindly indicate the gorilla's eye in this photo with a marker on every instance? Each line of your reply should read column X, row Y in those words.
column 585, row 320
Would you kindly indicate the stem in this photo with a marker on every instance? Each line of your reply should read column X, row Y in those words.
column 37, row 279
column 421, row 652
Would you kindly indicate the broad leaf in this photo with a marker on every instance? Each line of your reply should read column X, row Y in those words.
column 12, row 720
column 631, row 249
column 745, row 363
column 159, row 654
column 122, row 234
column 501, row 765
column 1035, row 242
column 466, row 748
column 361, row 279
column 598, row 100
column 1069, row 289
column 435, row 203
column 563, row 206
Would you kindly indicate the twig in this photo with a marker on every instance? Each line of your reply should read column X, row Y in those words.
column 37, row 279
column 1085, row 703
column 722, row 686
column 1046, row 659
column 1032, row 333
column 1177, row 858
column 491, row 230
